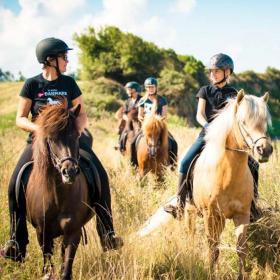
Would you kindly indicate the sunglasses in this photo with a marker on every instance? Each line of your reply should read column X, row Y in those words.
column 64, row 57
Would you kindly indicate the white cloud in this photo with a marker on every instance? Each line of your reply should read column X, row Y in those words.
column 184, row 6
column 136, row 16
column 39, row 19
column 36, row 20
column 123, row 13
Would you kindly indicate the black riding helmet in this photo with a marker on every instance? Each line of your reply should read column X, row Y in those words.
column 151, row 81
column 50, row 47
column 133, row 85
column 221, row 61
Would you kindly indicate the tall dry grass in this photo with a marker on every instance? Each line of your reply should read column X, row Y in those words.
column 166, row 254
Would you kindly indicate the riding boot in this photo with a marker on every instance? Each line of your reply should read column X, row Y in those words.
column 122, row 141
column 172, row 152
column 105, row 230
column 254, row 168
column 111, row 242
column 133, row 155
column 15, row 248
column 183, row 194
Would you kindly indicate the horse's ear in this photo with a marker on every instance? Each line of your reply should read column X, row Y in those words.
column 240, row 96
column 76, row 110
column 265, row 97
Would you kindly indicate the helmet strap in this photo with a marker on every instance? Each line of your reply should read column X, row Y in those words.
column 222, row 80
column 54, row 66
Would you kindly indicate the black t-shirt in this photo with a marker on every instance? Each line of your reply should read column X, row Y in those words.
column 131, row 104
column 42, row 91
column 215, row 98
column 147, row 103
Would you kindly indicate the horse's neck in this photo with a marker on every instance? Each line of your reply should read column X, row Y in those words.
column 234, row 151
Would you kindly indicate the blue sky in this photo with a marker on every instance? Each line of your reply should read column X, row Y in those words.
column 246, row 30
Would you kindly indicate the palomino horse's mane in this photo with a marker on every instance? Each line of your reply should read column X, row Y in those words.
column 252, row 111
column 155, row 125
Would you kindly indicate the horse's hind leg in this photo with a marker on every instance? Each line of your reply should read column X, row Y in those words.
column 70, row 245
column 241, row 224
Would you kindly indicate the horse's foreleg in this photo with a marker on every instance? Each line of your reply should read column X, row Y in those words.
column 241, row 224
column 191, row 219
column 46, row 244
column 70, row 243
column 141, row 169
column 214, row 225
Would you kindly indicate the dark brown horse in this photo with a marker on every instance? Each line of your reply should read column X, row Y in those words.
column 132, row 127
column 152, row 149
column 57, row 192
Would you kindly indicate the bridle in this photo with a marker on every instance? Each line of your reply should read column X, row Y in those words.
column 247, row 135
column 57, row 162
column 153, row 147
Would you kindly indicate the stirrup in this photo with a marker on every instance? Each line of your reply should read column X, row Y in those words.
column 12, row 251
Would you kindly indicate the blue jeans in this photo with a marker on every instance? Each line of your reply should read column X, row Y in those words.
column 195, row 149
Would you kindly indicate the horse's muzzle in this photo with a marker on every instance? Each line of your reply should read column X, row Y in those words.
column 69, row 174
column 263, row 151
column 152, row 150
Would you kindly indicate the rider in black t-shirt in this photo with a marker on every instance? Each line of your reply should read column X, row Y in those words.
column 133, row 90
column 211, row 98
column 47, row 88
column 145, row 105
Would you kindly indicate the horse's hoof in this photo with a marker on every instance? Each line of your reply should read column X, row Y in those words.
column 49, row 276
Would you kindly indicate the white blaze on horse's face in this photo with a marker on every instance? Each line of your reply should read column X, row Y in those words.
column 152, row 145
column 253, row 118
column 65, row 158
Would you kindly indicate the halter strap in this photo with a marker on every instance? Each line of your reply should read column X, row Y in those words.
column 250, row 148
column 57, row 162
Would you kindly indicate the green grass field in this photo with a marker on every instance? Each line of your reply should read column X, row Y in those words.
column 166, row 254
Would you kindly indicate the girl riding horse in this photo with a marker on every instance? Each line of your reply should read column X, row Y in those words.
column 145, row 105
column 37, row 91
column 211, row 98
column 128, row 114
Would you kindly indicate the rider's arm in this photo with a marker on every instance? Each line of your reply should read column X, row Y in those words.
column 23, row 110
column 164, row 112
column 141, row 113
column 81, row 120
column 200, row 114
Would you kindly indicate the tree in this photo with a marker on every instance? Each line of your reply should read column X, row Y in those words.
column 6, row 76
